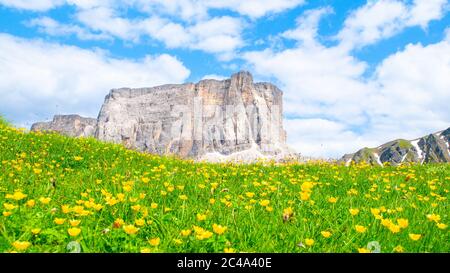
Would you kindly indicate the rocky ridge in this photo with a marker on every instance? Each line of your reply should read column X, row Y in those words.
column 233, row 119
column 432, row 148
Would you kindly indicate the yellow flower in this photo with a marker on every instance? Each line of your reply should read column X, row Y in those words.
column 74, row 223
column 288, row 212
column 36, row 231
column 45, row 200
column 37, row 171
column 375, row 211
column 204, row 235
column 332, row 200
column 269, row 208
column 360, row 229
column 264, row 202
column 304, row 195
column 386, row 222
column 9, row 206
column 306, row 186
column 77, row 158
column 441, row 225
column 201, row 217
column 146, row 250
column 434, row 217
column 249, row 194
column 399, row 249
column 121, row 197
column 65, row 209
column 403, row 223
column 394, row 228
column 363, row 250
column 218, row 229
column 59, row 221
column 127, row 188
column 326, row 234
column 229, row 250
column 18, row 195
column 154, row 241
column 145, row 179
column 74, row 231
column 177, row 241
column 415, row 237
column 118, row 223
column 139, row 222
column 309, row 242
column 7, row 213
column 136, row 207
column 30, row 203
column 130, row 229
column 212, row 201
column 183, row 197
column 154, row 205
column 21, row 245
column 185, row 232
column 354, row 212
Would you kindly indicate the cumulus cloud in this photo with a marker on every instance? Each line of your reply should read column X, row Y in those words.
column 39, row 79
column 196, row 30
column 53, row 28
column 332, row 107
column 383, row 19
column 33, row 5
column 307, row 26
column 214, row 77
column 193, row 9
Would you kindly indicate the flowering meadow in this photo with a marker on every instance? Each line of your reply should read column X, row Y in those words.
column 59, row 194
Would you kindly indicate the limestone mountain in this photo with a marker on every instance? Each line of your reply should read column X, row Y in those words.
column 428, row 149
column 212, row 120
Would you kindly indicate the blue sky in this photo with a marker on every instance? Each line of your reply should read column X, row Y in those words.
column 354, row 73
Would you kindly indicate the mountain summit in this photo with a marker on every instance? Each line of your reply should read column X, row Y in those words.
column 232, row 119
column 432, row 148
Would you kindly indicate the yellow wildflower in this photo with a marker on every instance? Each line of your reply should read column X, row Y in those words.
column 354, row 212
column 218, row 229
column 309, row 242
column 360, row 229
column 74, row 231
column 130, row 229
column 154, row 241
column 59, row 221
column 415, row 237
column 21, row 245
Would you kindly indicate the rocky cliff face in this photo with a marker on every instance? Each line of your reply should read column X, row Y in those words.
column 71, row 125
column 212, row 120
column 427, row 149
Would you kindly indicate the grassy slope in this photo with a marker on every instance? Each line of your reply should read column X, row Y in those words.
column 84, row 172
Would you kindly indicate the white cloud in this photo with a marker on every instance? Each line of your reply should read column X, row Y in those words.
column 214, row 77
column 255, row 8
column 105, row 20
column 219, row 35
column 307, row 26
column 382, row 19
column 34, row 5
column 424, row 11
column 51, row 27
column 333, row 108
column 196, row 10
column 39, row 79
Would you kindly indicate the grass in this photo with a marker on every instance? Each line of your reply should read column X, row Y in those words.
column 57, row 191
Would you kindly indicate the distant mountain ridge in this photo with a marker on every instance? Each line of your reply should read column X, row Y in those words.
column 432, row 148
